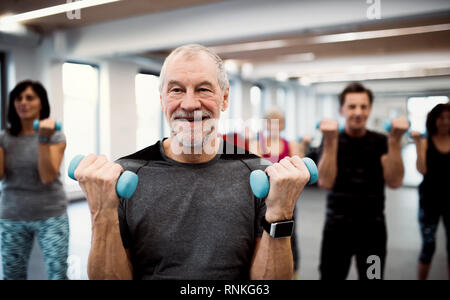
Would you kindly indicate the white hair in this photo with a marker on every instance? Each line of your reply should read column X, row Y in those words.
column 192, row 50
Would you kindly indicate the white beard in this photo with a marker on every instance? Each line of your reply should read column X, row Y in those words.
column 193, row 138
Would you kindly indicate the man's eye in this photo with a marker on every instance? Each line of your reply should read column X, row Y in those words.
column 175, row 90
column 204, row 90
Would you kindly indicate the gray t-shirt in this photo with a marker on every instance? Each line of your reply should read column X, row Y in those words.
column 24, row 197
column 191, row 221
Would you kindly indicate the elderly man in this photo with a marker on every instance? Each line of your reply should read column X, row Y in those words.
column 193, row 215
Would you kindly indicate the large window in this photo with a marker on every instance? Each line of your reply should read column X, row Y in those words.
column 256, row 103
column 419, row 107
column 290, row 116
column 150, row 124
column 81, row 100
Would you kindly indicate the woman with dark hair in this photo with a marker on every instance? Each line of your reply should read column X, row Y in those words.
column 433, row 161
column 33, row 202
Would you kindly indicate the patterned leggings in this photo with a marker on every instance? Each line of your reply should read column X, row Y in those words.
column 17, row 241
column 429, row 221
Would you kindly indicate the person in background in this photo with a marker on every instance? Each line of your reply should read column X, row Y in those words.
column 433, row 161
column 274, row 148
column 33, row 202
column 355, row 165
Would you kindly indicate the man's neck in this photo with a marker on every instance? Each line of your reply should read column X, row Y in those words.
column 358, row 133
column 174, row 150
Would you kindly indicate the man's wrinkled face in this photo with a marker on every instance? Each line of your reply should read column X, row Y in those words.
column 356, row 110
column 191, row 98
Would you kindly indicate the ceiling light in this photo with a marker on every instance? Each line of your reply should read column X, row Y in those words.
column 53, row 10
column 12, row 27
column 373, row 34
column 250, row 46
column 301, row 57
column 282, row 76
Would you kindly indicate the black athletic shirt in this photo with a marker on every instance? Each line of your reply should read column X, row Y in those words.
column 359, row 187
column 434, row 188
column 191, row 221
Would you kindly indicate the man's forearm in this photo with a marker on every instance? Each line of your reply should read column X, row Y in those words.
column 394, row 170
column 273, row 259
column 328, row 164
column 108, row 258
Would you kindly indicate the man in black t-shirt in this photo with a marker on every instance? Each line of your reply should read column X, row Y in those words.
column 355, row 165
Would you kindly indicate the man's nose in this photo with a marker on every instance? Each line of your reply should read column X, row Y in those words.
column 358, row 111
column 190, row 102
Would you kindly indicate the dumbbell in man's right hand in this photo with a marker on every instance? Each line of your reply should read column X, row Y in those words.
column 99, row 177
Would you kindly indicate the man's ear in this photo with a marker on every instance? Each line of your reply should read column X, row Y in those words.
column 225, row 99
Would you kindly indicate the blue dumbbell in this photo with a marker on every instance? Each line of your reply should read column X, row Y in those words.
column 125, row 186
column 259, row 181
column 388, row 126
column 340, row 128
column 58, row 125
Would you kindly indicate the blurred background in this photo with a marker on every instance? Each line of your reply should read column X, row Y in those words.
column 100, row 64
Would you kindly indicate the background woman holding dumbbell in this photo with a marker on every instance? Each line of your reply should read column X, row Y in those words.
column 33, row 202
column 433, row 161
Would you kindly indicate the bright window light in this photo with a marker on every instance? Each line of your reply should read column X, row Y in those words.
column 81, row 93
column 418, row 109
column 148, row 110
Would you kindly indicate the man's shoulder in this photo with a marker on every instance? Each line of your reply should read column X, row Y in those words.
column 136, row 160
column 376, row 137
column 376, row 134
column 232, row 152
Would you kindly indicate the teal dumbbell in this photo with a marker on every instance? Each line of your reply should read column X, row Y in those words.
column 125, row 186
column 58, row 125
column 259, row 181
column 388, row 126
column 340, row 128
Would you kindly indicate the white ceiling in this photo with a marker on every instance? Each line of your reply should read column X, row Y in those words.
column 311, row 40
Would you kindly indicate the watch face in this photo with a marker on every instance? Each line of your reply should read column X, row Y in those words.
column 282, row 229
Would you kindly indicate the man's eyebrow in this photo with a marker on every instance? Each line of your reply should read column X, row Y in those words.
column 206, row 82
column 174, row 82
column 203, row 83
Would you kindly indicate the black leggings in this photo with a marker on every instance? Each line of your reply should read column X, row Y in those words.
column 429, row 221
column 344, row 238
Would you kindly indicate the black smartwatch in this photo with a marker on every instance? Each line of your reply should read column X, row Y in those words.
column 278, row 229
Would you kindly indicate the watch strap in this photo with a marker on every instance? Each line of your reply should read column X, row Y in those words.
column 271, row 228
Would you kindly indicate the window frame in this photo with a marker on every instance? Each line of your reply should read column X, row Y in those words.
column 3, row 89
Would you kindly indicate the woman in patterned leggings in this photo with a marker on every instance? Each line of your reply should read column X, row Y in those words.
column 33, row 202
column 433, row 161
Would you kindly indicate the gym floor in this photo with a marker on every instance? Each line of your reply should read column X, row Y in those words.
column 403, row 238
